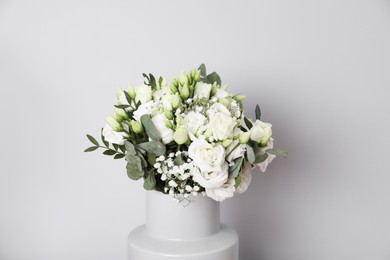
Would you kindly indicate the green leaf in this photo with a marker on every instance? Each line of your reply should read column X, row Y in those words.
column 248, row 123
column 130, row 148
column 278, row 152
column 235, row 169
column 104, row 139
column 109, row 152
column 179, row 160
column 258, row 112
column 115, row 147
column 119, row 156
column 93, row 140
column 122, row 106
column 151, row 159
column 214, row 77
column 250, row 154
column 238, row 181
column 128, row 98
column 150, row 181
column 150, row 128
column 155, row 147
column 134, row 167
column 261, row 157
column 202, row 69
column 90, row 149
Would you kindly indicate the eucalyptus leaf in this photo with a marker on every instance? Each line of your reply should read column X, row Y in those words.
column 93, row 140
column 202, row 69
column 250, row 154
column 150, row 181
column 109, row 152
column 214, row 77
column 90, row 149
column 235, row 169
column 258, row 112
column 155, row 147
column 130, row 148
column 150, row 128
column 261, row 157
column 278, row 152
column 151, row 159
column 134, row 167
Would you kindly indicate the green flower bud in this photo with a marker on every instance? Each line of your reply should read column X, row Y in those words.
column 114, row 124
column 121, row 113
column 136, row 126
column 239, row 97
column 179, row 121
column 173, row 89
column 185, row 91
column 131, row 92
column 197, row 75
column 168, row 114
column 176, row 101
column 226, row 143
column 169, row 124
column 180, row 135
column 213, row 90
column 225, row 102
column 183, row 78
column 244, row 137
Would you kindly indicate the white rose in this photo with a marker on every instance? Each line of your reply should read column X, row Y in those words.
column 112, row 136
column 210, row 179
column 143, row 93
column 202, row 90
column 217, row 108
column 261, row 132
column 222, row 126
column 148, row 108
column 237, row 152
column 221, row 93
column 263, row 165
column 165, row 132
column 166, row 101
column 193, row 122
column 223, row 192
column 207, row 157
column 246, row 178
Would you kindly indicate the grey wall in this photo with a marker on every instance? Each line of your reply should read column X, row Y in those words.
column 319, row 70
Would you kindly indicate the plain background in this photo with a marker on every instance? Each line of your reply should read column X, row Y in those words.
column 320, row 70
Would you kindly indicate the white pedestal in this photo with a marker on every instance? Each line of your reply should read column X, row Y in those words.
column 174, row 231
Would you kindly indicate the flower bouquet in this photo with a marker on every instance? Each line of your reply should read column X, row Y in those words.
column 187, row 137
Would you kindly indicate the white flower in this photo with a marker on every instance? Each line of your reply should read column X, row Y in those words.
column 246, row 178
column 263, row 165
column 165, row 132
column 237, row 152
column 221, row 93
column 202, row 90
column 147, row 108
column 210, row 179
column 223, row 192
column 193, row 122
column 207, row 157
column 222, row 126
column 261, row 132
column 217, row 108
column 143, row 93
column 166, row 101
column 112, row 136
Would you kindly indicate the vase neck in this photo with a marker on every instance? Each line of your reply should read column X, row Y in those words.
column 166, row 218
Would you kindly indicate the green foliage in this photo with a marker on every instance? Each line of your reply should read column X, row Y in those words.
column 93, row 140
column 278, row 152
column 130, row 148
column 150, row 128
column 248, row 123
column 134, row 167
column 109, row 152
column 235, row 169
column 258, row 112
column 151, row 80
column 128, row 98
column 214, row 77
column 150, row 181
column 261, row 157
column 155, row 147
column 250, row 154
column 90, row 149
column 202, row 69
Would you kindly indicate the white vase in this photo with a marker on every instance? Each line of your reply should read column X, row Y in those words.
column 182, row 231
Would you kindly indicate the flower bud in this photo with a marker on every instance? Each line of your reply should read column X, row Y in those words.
column 239, row 97
column 226, row 143
column 119, row 92
column 131, row 92
column 185, row 91
column 183, row 78
column 176, row 101
column 180, row 135
column 197, row 75
column 137, row 127
column 213, row 90
column 168, row 124
column 244, row 137
column 225, row 102
column 121, row 113
column 173, row 89
column 114, row 124
column 168, row 114
column 179, row 120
